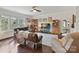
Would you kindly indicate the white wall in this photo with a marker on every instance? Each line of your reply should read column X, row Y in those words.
column 77, row 19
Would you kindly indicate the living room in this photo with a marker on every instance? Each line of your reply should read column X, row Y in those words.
column 39, row 29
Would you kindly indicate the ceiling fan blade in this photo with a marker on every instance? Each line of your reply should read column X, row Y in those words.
column 34, row 7
column 38, row 10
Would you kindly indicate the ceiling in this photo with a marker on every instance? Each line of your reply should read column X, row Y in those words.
column 44, row 9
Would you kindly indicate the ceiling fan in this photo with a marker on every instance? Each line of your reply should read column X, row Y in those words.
column 35, row 9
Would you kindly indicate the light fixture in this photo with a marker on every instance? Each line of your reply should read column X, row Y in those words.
column 35, row 9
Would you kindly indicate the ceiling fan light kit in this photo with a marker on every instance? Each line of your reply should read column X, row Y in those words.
column 35, row 9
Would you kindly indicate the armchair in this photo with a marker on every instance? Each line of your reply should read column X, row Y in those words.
column 33, row 40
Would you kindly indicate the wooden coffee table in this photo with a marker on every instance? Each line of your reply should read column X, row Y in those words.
column 43, row 49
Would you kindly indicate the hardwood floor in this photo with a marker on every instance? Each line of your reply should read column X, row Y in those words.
column 10, row 46
column 43, row 49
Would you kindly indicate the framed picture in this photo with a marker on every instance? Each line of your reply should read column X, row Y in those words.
column 49, row 19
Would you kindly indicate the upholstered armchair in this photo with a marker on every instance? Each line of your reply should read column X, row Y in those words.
column 33, row 40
